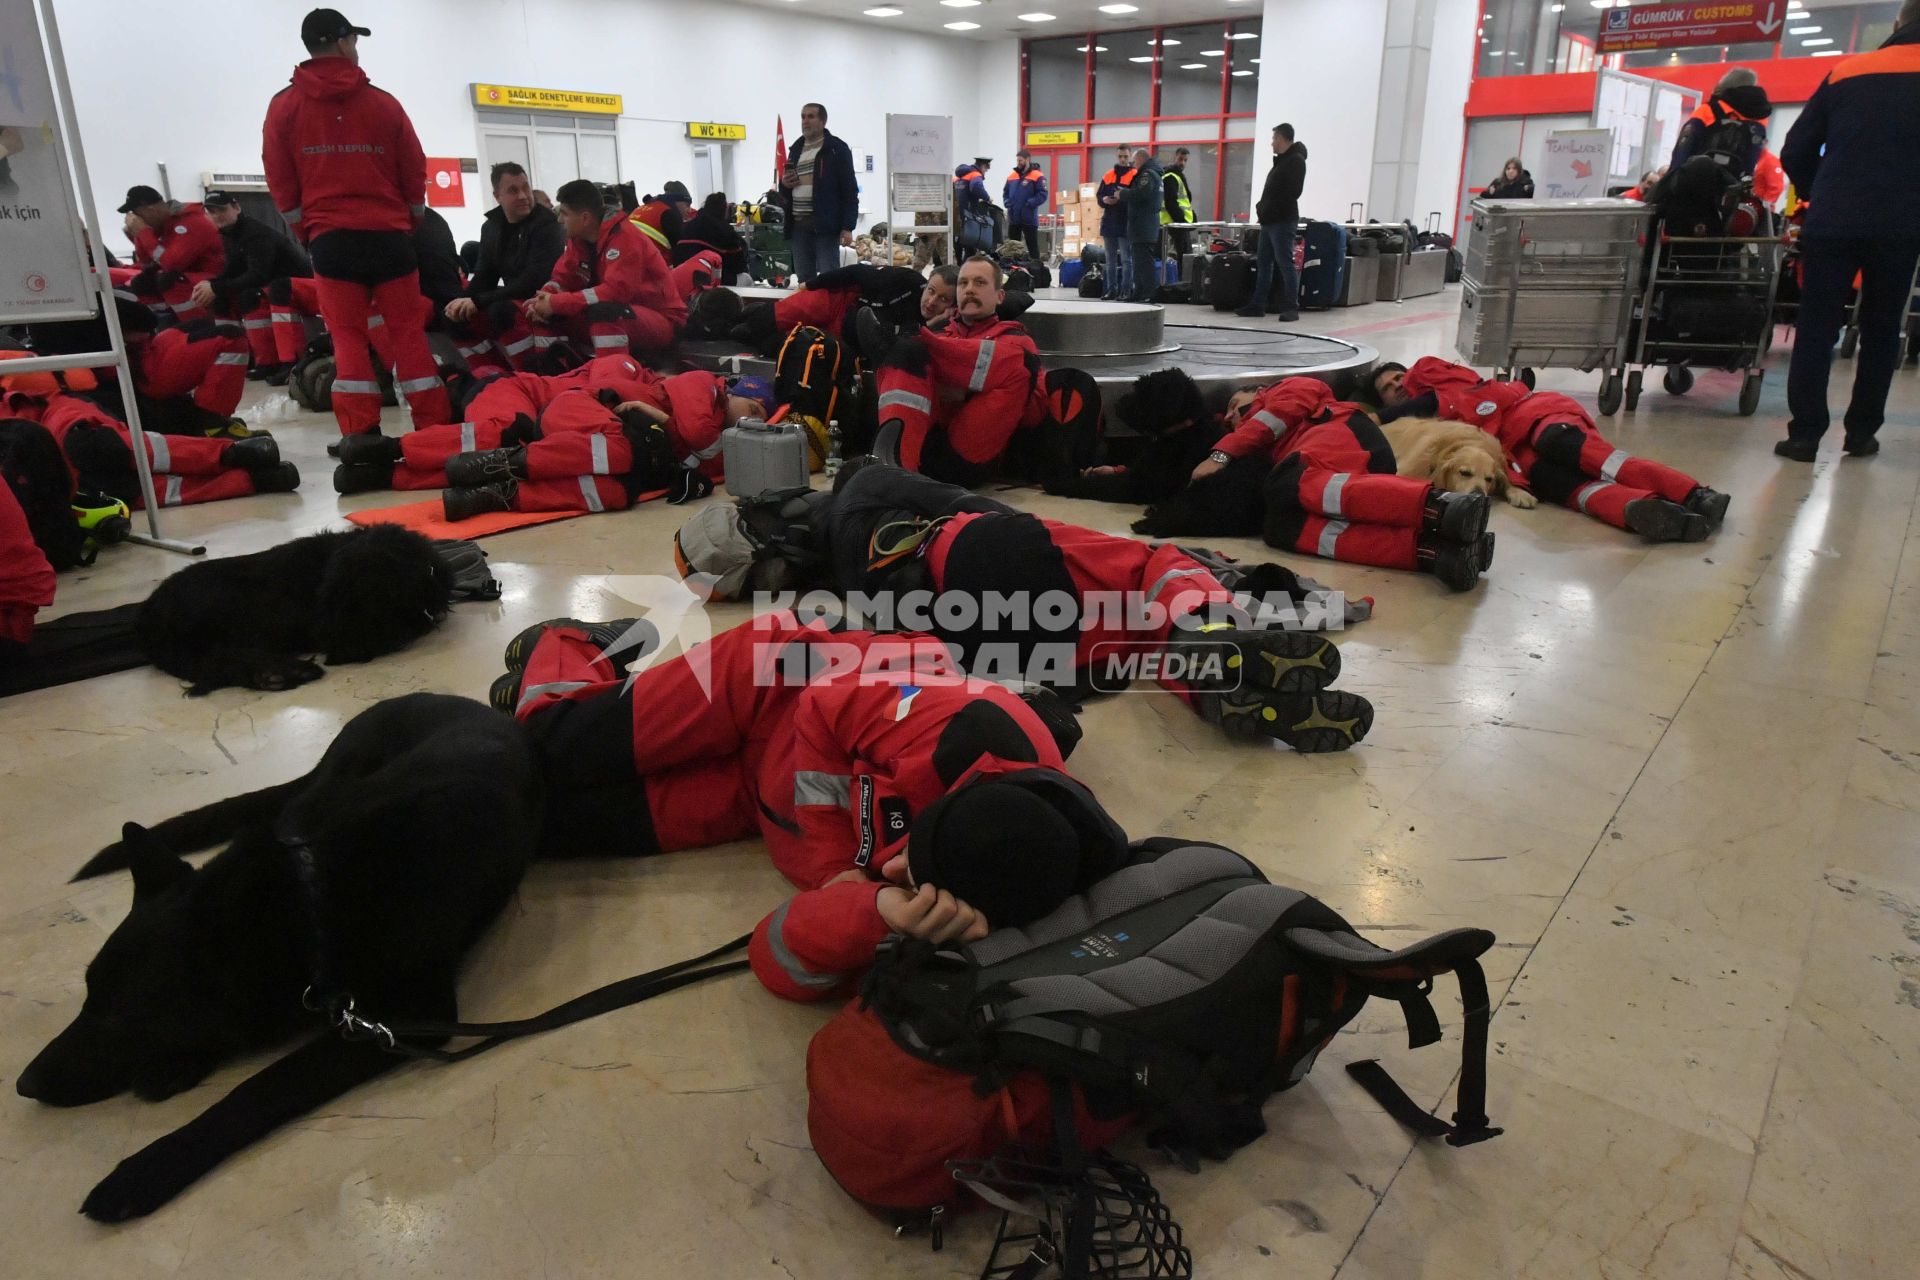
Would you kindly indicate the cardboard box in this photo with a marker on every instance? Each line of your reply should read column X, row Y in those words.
column 1070, row 247
column 1089, row 190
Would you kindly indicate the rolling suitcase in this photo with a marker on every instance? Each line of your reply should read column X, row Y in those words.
column 1230, row 281
column 760, row 456
column 1070, row 273
column 1323, row 274
column 1193, row 273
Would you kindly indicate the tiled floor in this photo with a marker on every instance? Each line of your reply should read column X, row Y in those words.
column 1679, row 782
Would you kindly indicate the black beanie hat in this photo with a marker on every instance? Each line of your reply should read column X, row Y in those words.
column 999, row 848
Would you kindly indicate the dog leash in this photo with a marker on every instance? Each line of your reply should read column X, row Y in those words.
column 394, row 1036
column 325, row 996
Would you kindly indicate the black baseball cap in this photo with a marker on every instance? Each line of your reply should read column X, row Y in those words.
column 324, row 26
column 219, row 200
column 139, row 197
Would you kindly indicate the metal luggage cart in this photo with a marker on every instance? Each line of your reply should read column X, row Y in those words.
column 1551, row 284
column 1708, row 303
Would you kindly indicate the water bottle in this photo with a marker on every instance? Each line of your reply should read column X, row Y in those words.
column 833, row 447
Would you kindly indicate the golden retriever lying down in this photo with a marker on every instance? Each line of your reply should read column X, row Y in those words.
column 1453, row 456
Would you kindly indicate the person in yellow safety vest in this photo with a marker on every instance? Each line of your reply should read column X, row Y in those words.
column 1176, row 205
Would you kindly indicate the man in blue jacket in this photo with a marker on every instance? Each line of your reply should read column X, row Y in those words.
column 1113, row 227
column 1143, row 225
column 1025, row 198
column 820, row 195
column 1854, row 155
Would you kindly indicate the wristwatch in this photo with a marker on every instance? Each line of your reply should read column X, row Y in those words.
column 1220, row 457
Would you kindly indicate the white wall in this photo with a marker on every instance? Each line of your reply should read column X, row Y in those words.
column 1449, row 76
column 1321, row 72
column 997, row 124
column 150, row 87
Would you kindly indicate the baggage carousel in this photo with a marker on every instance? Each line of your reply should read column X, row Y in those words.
column 1117, row 342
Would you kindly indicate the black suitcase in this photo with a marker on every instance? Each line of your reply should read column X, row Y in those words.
column 1093, row 282
column 1230, row 278
column 1173, row 293
column 1324, row 274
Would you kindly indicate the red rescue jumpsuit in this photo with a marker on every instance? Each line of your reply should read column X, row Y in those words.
column 186, row 469
column 348, row 175
column 204, row 360
column 966, row 389
column 1103, row 573
column 577, row 462
column 1334, row 492
column 187, row 248
column 734, row 740
column 616, row 294
column 26, row 579
column 1551, row 444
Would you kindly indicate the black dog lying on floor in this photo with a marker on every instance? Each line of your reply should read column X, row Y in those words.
column 255, row 620
column 1167, row 408
column 372, row 875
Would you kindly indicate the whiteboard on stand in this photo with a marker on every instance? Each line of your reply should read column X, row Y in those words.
column 920, row 144
column 47, row 276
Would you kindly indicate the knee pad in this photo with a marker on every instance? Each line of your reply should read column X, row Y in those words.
column 909, row 355
column 1559, row 442
column 608, row 312
column 1554, row 482
column 97, row 450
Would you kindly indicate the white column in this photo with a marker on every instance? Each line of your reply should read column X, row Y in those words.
column 1401, row 111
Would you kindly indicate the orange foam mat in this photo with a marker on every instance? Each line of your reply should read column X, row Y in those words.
column 424, row 517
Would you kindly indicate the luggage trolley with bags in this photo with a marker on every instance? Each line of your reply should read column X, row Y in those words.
column 1551, row 284
column 1708, row 303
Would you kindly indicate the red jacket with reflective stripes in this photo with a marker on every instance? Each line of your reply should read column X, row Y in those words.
column 624, row 264
column 187, row 242
column 846, row 766
column 341, row 154
column 26, row 579
column 1276, row 416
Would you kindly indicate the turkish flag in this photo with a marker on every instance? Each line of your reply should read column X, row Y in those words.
column 779, row 149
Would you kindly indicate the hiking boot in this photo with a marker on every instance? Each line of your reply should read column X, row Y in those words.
column 1658, row 520
column 282, row 477
column 1251, row 311
column 371, row 478
column 1483, row 551
column 1798, row 450
column 486, row 466
column 1289, row 317
column 504, row 694
column 1330, row 720
column 1710, row 503
column 1457, row 517
column 280, row 375
column 608, row 637
column 1861, row 446
column 478, row 500
column 232, row 429
column 256, row 453
column 1457, row 564
column 267, row 373
column 366, row 450
column 1283, row 661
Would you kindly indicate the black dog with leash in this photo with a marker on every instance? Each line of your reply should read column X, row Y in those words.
column 362, row 884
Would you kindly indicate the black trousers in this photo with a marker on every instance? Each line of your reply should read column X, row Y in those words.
column 1886, row 272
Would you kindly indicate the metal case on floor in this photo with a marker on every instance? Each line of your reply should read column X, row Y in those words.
column 760, row 456
column 1425, row 272
column 1550, row 284
column 1363, row 282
